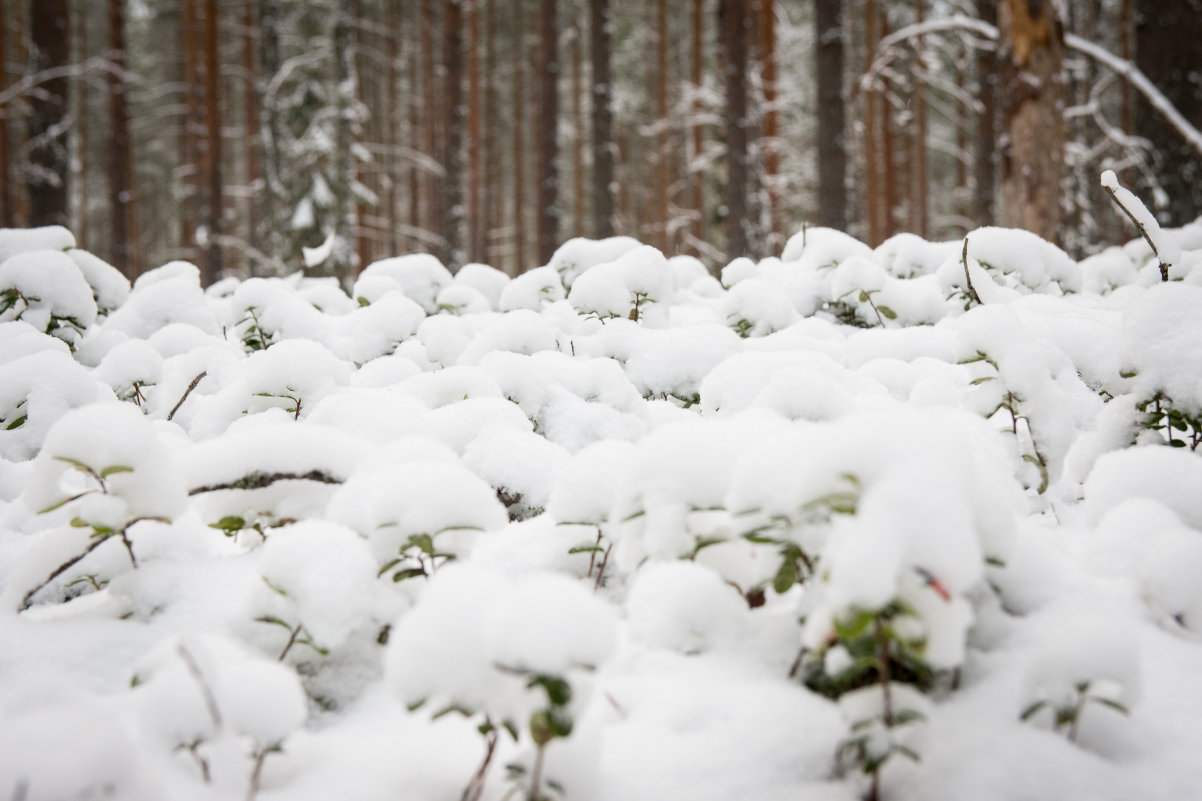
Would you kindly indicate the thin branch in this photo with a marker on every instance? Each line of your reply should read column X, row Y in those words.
column 205, row 690
column 972, row 292
column 58, row 571
column 187, row 392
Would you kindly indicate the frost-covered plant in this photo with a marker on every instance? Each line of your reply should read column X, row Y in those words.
column 47, row 290
column 509, row 654
column 1066, row 711
column 318, row 586
column 215, row 705
column 104, row 466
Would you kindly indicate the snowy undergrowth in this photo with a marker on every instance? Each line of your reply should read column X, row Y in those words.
column 918, row 522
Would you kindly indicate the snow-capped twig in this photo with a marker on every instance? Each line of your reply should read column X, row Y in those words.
column 1164, row 246
column 253, row 481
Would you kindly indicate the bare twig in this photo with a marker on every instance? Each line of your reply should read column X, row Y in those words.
column 206, row 691
column 187, row 392
column 475, row 788
column 1143, row 230
column 972, row 292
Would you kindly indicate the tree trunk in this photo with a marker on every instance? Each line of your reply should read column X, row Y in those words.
column 1167, row 37
column 832, row 153
column 431, row 216
column 662, row 177
column 985, row 142
column 452, row 159
column 120, row 166
column 696, row 173
column 889, row 166
column 603, row 121
column 548, row 144
column 920, row 177
column 475, row 222
column 493, row 171
column 732, row 19
column 341, row 263
column 273, row 198
column 250, row 123
column 872, row 169
column 48, row 167
column 6, row 209
column 1031, row 50
column 578, row 129
column 519, row 171
column 211, row 269
column 771, row 126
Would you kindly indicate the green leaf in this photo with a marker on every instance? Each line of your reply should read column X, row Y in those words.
column 78, row 465
column 423, row 542
column 908, row 753
column 113, row 470
column 362, row 301
column 887, row 312
column 863, row 296
column 559, row 691
column 905, row 716
column 586, row 549
column 705, row 542
column 230, row 524
column 786, row 576
column 982, row 380
column 1112, row 704
column 20, row 421
column 408, row 573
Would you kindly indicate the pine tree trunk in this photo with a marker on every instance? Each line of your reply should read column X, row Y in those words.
column 771, row 125
column 889, row 167
column 662, row 155
column 475, row 219
column 431, row 214
column 272, row 199
column 211, row 268
column 120, row 166
column 548, row 144
column 696, row 173
column 452, row 159
column 250, row 123
column 519, row 170
column 1168, row 34
column 985, row 141
column 921, row 173
column 872, row 169
column 341, row 263
column 832, row 153
column 578, row 130
column 48, row 167
column 732, row 20
column 603, row 122
column 6, row 209
column 1032, row 68
column 493, row 169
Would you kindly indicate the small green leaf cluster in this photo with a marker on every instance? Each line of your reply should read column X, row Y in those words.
column 1066, row 716
column 417, row 556
column 1181, row 429
column 253, row 335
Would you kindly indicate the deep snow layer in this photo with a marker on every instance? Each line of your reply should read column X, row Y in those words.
column 273, row 538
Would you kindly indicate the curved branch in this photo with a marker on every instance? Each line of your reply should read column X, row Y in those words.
column 259, row 480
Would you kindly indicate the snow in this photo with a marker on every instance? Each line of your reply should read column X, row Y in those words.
column 278, row 524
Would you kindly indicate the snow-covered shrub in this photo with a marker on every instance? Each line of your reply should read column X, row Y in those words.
column 419, row 277
column 216, row 709
column 46, row 289
column 106, row 468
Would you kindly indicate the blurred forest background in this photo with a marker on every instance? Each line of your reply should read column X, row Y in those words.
column 232, row 133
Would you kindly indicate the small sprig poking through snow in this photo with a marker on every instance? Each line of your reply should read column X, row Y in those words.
column 1164, row 246
column 1066, row 714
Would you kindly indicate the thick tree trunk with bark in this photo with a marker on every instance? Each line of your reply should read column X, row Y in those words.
column 696, row 173
column 603, row 121
column 250, row 123
column 873, row 190
column 1031, row 52
column 1168, row 49
column 519, row 172
column 832, row 150
column 548, row 144
column 48, row 167
column 732, row 21
column 475, row 223
column 771, row 121
column 120, row 166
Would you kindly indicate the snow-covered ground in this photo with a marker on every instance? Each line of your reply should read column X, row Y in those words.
column 923, row 521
